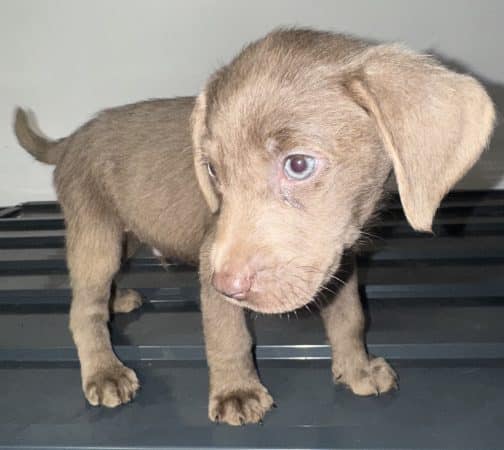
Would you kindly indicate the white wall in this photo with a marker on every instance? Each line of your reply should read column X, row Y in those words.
column 68, row 59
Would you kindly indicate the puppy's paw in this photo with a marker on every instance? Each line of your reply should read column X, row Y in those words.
column 126, row 300
column 240, row 406
column 372, row 378
column 111, row 386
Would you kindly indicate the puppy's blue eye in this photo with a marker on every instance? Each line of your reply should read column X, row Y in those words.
column 299, row 167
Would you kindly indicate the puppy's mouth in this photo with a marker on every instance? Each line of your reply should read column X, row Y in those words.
column 272, row 293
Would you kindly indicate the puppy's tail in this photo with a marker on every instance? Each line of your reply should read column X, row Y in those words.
column 41, row 148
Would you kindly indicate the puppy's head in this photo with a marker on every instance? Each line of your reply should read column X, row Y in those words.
column 294, row 140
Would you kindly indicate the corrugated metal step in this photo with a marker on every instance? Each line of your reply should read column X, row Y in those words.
column 437, row 407
column 435, row 308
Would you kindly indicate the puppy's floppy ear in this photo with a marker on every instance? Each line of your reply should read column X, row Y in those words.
column 200, row 164
column 434, row 123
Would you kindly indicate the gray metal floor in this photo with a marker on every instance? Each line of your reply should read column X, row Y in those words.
column 435, row 309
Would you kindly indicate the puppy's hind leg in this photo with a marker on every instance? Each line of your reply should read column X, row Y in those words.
column 125, row 300
column 351, row 365
column 94, row 253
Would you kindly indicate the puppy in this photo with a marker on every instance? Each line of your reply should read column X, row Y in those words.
column 292, row 143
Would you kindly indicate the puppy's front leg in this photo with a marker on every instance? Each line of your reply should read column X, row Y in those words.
column 94, row 251
column 236, row 394
column 351, row 365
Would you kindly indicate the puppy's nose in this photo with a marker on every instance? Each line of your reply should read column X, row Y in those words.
column 232, row 284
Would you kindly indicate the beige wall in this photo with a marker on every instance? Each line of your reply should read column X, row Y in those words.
column 67, row 59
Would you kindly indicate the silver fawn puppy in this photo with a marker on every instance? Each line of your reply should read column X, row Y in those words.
column 265, row 181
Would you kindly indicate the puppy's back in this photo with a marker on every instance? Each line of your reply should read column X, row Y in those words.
column 137, row 160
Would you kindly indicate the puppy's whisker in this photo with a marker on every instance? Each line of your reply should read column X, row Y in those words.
column 371, row 235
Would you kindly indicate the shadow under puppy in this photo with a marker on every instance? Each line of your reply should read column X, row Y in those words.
column 292, row 143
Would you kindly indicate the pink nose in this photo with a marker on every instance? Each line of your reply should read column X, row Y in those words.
column 232, row 284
